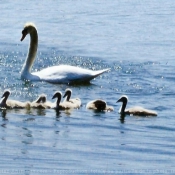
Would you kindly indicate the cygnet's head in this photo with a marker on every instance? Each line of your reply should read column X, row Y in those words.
column 42, row 98
column 123, row 99
column 6, row 94
column 68, row 92
column 28, row 28
column 57, row 94
column 100, row 104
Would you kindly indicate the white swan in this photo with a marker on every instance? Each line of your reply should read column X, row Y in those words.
column 140, row 111
column 7, row 104
column 99, row 105
column 71, row 102
column 54, row 74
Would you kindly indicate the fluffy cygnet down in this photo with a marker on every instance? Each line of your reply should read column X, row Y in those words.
column 99, row 105
column 8, row 104
column 71, row 102
column 139, row 111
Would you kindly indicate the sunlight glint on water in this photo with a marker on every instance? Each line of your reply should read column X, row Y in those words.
column 135, row 39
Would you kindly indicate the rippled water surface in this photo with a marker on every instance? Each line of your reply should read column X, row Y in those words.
column 136, row 39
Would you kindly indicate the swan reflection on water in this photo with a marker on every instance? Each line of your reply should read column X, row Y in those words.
column 3, row 114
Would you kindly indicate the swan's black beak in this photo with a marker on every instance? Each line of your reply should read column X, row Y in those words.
column 24, row 33
column 23, row 36
column 65, row 95
column 118, row 101
column 54, row 96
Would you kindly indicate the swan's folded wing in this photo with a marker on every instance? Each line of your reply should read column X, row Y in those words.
column 66, row 74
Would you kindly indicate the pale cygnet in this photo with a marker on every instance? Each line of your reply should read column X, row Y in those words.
column 139, row 111
column 5, row 103
column 40, row 102
column 41, row 99
column 71, row 103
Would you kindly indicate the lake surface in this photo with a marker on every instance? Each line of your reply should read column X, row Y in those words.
column 136, row 40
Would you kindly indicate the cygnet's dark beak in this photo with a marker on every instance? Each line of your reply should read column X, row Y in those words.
column 65, row 95
column 118, row 101
column 24, row 33
column 54, row 96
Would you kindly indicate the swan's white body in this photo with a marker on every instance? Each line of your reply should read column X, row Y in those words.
column 99, row 105
column 54, row 74
column 137, row 110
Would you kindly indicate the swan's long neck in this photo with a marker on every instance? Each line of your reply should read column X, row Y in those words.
column 32, row 52
column 123, row 107
column 58, row 102
column 3, row 103
column 68, row 96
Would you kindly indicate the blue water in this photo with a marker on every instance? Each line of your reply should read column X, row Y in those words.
column 133, row 38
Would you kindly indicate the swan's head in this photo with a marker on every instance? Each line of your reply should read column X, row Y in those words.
column 6, row 94
column 57, row 94
column 41, row 99
column 123, row 99
column 68, row 92
column 28, row 28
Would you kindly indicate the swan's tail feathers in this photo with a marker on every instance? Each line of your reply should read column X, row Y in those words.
column 99, row 72
column 88, row 76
